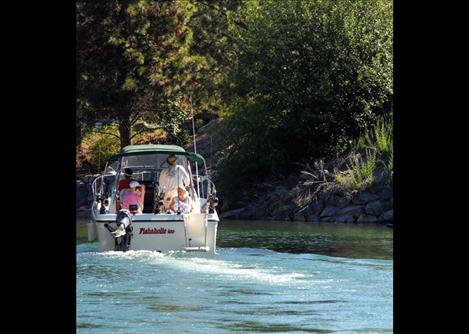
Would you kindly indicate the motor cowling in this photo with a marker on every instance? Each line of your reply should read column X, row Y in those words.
column 124, row 218
column 123, row 221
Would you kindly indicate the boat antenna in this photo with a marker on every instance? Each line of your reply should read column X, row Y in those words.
column 177, row 189
column 195, row 146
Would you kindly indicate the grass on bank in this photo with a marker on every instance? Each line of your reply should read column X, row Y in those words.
column 372, row 150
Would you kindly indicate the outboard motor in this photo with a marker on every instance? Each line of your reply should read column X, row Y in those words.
column 124, row 231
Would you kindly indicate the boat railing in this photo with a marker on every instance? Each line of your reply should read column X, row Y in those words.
column 210, row 201
column 207, row 188
column 102, row 189
column 93, row 186
column 207, row 199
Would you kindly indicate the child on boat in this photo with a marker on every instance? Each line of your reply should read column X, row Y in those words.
column 133, row 196
column 182, row 203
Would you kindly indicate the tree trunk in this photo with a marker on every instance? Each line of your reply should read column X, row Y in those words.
column 124, row 131
column 79, row 136
column 78, row 148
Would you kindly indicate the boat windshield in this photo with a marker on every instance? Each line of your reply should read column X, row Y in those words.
column 148, row 166
column 111, row 168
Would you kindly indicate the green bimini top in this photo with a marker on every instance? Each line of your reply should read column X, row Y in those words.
column 156, row 148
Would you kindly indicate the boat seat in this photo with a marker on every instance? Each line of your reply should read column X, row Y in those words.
column 148, row 199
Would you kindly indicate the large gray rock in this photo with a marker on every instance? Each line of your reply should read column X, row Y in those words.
column 232, row 214
column 331, row 200
column 246, row 215
column 388, row 215
column 298, row 217
column 281, row 191
column 283, row 208
column 374, row 189
column 345, row 219
column 342, row 202
column 257, row 212
column 225, row 206
column 374, row 208
column 283, row 212
column 386, row 193
column 316, row 206
column 270, row 197
column 354, row 210
column 313, row 218
column 381, row 176
column 364, row 197
column 328, row 212
column 388, row 204
column 327, row 219
column 364, row 218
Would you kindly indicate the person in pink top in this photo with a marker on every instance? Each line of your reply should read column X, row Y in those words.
column 134, row 196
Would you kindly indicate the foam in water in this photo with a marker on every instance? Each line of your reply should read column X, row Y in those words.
column 226, row 269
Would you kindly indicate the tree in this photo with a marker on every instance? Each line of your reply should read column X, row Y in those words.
column 310, row 74
column 133, row 61
column 212, row 40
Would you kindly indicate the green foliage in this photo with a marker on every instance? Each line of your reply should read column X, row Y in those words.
column 339, row 178
column 173, row 120
column 133, row 59
column 250, row 155
column 211, row 40
column 102, row 145
column 373, row 149
column 390, row 162
column 384, row 141
column 379, row 139
column 362, row 169
column 310, row 75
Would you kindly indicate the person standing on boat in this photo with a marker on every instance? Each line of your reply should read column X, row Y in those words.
column 133, row 196
column 171, row 178
column 123, row 184
column 181, row 203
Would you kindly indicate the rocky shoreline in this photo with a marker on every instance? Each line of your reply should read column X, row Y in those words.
column 309, row 194
column 357, row 207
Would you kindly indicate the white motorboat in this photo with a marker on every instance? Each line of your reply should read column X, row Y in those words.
column 155, row 228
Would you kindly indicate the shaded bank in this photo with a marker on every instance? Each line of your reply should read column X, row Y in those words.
column 309, row 193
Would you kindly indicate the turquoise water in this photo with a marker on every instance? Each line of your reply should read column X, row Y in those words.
column 261, row 281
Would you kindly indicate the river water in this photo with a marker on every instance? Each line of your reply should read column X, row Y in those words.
column 268, row 277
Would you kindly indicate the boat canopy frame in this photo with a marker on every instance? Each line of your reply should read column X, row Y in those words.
column 157, row 149
column 133, row 150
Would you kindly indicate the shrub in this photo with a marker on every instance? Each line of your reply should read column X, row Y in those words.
column 379, row 139
column 362, row 169
column 310, row 84
column 99, row 147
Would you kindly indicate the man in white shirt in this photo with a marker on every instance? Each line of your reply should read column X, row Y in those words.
column 171, row 178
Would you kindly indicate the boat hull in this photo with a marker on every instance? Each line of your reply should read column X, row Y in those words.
column 163, row 232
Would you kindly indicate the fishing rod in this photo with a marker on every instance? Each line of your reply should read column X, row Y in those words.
column 195, row 147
